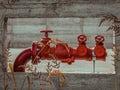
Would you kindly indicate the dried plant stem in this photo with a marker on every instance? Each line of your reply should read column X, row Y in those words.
column 115, row 24
column 6, row 86
column 13, row 77
column 41, row 85
column 4, row 80
column 115, row 50
column 28, row 79
column 63, row 81
column 116, row 75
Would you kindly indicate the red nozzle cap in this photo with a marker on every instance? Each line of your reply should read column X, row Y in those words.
column 99, row 38
column 82, row 38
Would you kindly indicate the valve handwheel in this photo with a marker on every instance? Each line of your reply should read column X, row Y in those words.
column 99, row 38
column 82, row 38
column 46, row 32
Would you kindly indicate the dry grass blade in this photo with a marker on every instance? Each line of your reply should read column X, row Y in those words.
column 114, row 17
column 23, row 66
column 55, row 62
column 117, row 30
column 59, row 73
column 44, row 46
column 1, row 74
column 113, row 56
column 105, row 18
column 55, row 73
column 23, row 83
column 115, row 26
column 13, row 77
column 8, row 77
column 118, row 34
column 11, row 2
column 48, row 80
column 102, row 20
column 115, row 47
column 110, row 28
column 116, row 51
column 41, row 89
column 6, row 87
column 56, row 41
column 28, row 79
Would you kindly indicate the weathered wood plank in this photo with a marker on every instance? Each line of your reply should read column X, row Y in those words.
column 74, row 82
column 65, row 10
column 63, row 1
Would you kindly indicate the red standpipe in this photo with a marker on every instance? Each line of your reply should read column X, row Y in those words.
column 41, row 50
column 21, row 60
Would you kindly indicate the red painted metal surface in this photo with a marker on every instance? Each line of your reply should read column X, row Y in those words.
column 83, row 51
column 21, row 60
column 99, row 50
column 41, row 50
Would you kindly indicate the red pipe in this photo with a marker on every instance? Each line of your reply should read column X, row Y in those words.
column 41, row 50
column 22, row 60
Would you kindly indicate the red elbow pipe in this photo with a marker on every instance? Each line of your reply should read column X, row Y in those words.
column 21, row 60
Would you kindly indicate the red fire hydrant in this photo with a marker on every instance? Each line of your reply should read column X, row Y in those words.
column 99, row 50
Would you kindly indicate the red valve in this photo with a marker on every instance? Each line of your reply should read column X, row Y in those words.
column 99, row 39
column 42, row 50
column 46, row 39
column 83, row 51
column 46, row 32
column 62, row 51
column 100, row 51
